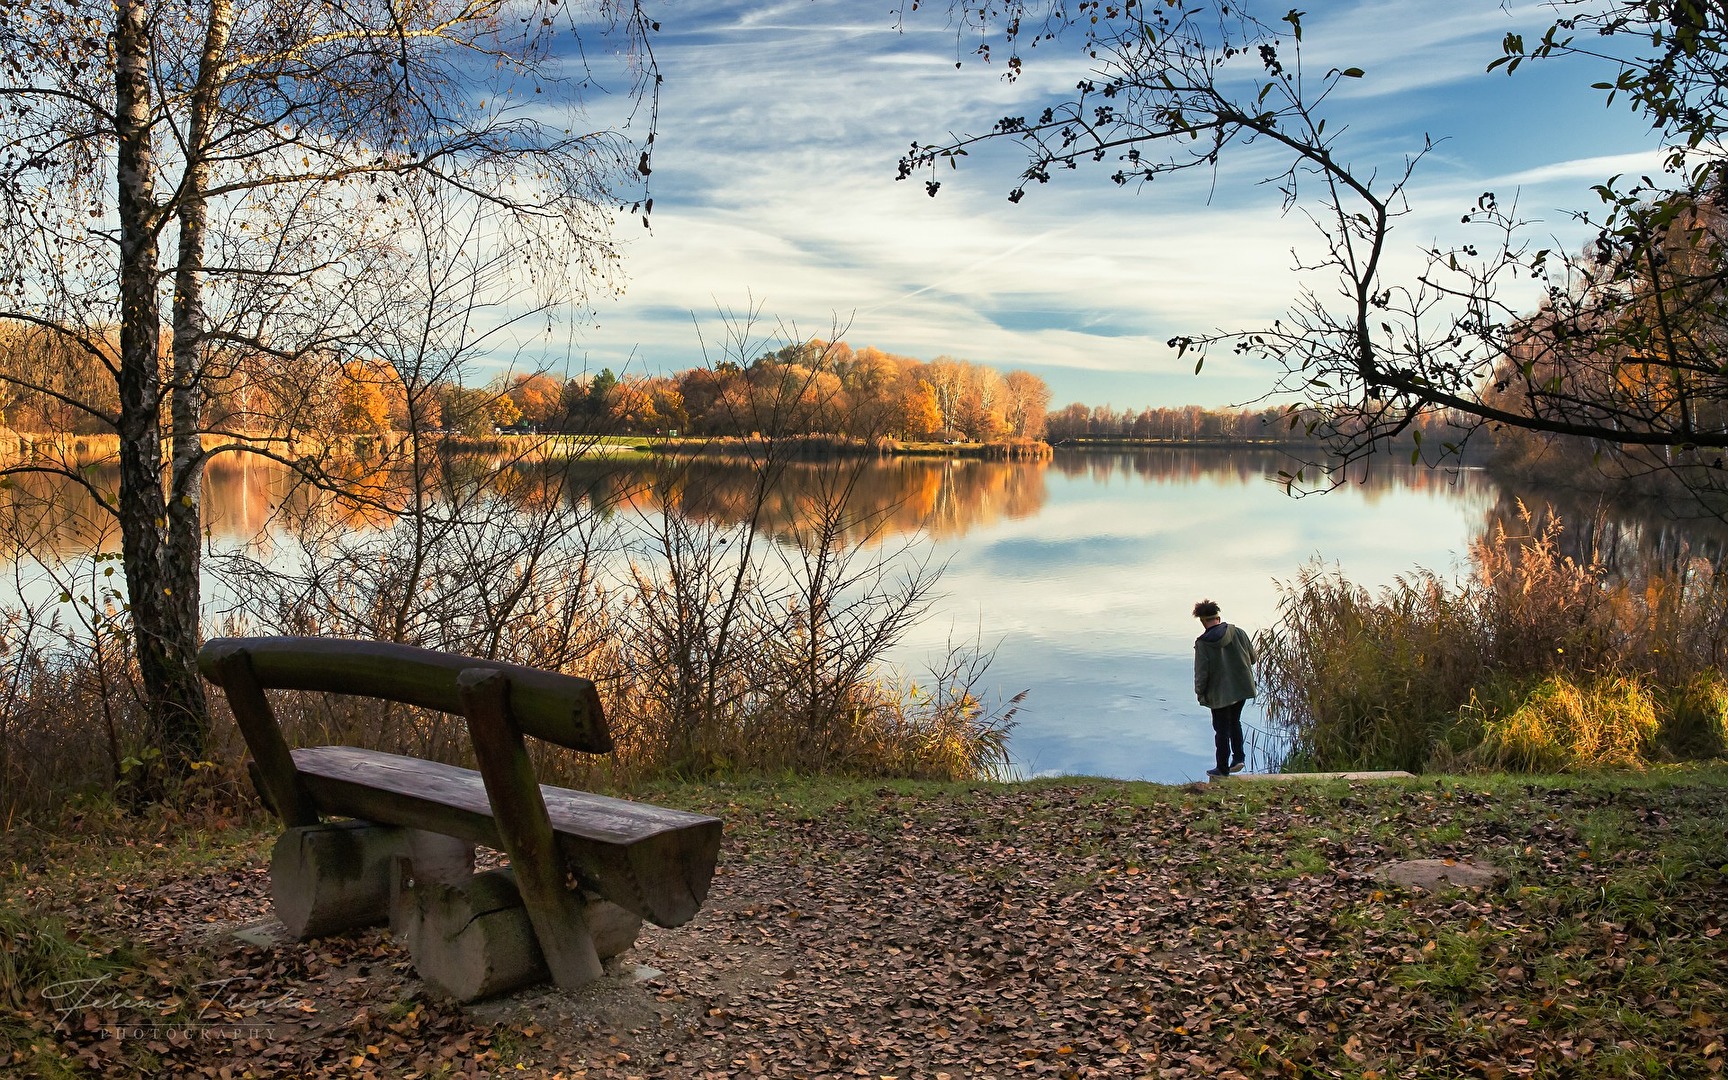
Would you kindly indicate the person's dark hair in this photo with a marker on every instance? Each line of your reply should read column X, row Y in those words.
column 1206, row 609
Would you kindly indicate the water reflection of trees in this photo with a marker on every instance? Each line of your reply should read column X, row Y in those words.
column 246, row 499
column 1187, row 466
column 896, row 496
column 1627, row 540
column 946, row 497
column 48, row 515
column 1172, row 465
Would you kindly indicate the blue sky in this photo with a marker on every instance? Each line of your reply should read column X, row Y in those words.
column 782, row 121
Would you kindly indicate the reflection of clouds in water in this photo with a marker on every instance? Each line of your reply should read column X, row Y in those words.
column 1089, row 603
column 1021, row 553
column 1104, row 715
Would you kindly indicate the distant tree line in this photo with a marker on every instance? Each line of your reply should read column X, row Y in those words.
column 817, row 387
column 1193, row 423
column 1181, row 423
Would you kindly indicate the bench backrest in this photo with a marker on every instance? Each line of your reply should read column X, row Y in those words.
column 562, row 709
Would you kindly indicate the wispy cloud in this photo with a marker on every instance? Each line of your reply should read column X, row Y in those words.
column 1591, row 170
column 781, row 125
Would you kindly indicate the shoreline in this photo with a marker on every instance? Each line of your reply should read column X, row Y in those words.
column 99, row 450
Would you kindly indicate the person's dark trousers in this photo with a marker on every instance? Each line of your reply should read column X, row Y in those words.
column 1227, row 735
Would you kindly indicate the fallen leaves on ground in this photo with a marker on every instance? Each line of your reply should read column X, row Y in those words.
column 1066, row 930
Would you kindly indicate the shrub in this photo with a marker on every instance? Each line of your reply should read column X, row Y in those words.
column 1534, row 660
column 1562, row 725
column 1695, row 722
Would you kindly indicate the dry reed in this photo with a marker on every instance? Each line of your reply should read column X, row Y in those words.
column 519, row 580
column 1536, row 661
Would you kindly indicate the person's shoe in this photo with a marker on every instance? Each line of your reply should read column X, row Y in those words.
column 1238, row 765
column 1217, row 774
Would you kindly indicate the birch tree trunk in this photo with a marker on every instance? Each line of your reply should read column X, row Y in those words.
column 184, row 724
column 166, row 644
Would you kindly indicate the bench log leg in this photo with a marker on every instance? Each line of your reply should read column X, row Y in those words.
column 426, row 858
column 475, row 939
column 614, row 929
column 525, row 829
column 333, row 877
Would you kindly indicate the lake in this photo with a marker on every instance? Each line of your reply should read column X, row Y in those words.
column 1087, row 598
column 1078, row 572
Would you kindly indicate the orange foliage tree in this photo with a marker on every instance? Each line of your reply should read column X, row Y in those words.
column 538, row 398
column 368, row 396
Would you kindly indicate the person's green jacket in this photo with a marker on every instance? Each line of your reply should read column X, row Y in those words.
column 1223, row 666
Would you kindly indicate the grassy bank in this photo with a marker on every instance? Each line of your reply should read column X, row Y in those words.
column 1067, row 928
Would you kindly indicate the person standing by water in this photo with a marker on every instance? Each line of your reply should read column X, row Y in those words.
column 1224, row 681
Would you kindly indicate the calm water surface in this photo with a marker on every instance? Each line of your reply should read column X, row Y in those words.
column 1087, row 599
column 1079, row 572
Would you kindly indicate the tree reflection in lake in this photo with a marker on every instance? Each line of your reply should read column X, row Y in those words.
column 1622, row 536
column 941, row 497
column 1080, row 569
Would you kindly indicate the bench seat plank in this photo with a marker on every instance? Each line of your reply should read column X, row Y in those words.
column 649, row 860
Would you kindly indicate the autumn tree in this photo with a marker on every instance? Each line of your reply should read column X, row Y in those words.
column 919, row 415
column 871, row 380
column 945, row 378
column 1026, row 400
column 465, row 411
column 42, row 376
column 367, row 395
column 501, row 410
column 701, row 388
column 243, row 180
column 789, row 392
column 1627, row 348
column 538, row 398
column 980, row 413
column 648, row 406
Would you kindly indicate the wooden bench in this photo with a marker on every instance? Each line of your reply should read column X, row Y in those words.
column 408, row 856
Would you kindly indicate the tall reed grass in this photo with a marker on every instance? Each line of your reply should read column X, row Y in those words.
column 1534, row 661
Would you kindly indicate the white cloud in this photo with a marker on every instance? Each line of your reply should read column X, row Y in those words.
column 1590, row 170
column 774, row 180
